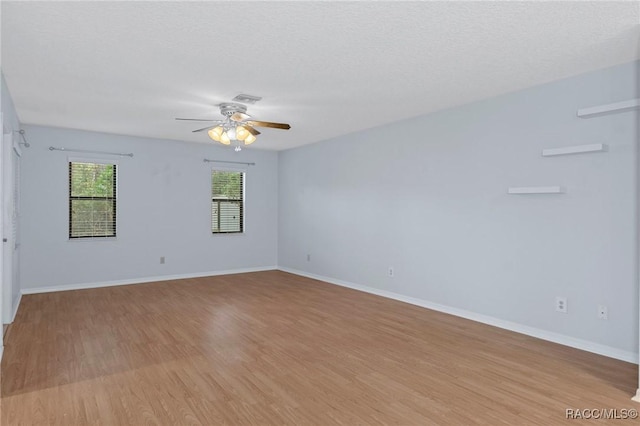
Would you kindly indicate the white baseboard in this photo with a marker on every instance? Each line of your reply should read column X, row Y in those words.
column 15, row 308
column 83, row 286
column 1, row 351
column 637, row 397
column 562, row 339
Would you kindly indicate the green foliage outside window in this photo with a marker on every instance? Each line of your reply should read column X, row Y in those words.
column 227, row 202
column 92, row 200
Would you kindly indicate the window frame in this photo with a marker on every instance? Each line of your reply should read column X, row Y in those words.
column 243, row 174
column 114, row 200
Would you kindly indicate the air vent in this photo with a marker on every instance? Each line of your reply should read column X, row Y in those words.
column 247, row 99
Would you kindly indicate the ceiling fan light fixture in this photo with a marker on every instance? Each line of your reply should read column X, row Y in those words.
column 242, row 133
column 236, row 128
column 249, row 139
column 215, row 133
column 224, row 139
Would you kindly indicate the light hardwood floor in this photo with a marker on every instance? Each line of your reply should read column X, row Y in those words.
column 274, row 348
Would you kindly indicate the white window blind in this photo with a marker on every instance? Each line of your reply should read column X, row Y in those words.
column 92, row 200
column 227, row 202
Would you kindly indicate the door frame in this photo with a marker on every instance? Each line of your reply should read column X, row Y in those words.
column 5, row 131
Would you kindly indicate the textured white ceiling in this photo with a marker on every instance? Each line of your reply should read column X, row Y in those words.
column 327, row 68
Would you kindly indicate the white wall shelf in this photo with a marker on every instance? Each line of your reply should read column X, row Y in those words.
column 613, row 108
column 577, row 149
column 536, row 190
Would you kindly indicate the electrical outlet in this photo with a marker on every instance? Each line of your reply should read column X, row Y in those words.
column 561, row 304
column 308, row 258
column 391, row 271
column 162, row 260
column 603, row 312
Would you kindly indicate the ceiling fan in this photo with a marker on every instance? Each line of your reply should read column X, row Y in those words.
column 237, row 126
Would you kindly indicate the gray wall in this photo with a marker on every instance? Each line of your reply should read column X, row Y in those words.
column 163, row 210
column 8, row 109
column 428, row 197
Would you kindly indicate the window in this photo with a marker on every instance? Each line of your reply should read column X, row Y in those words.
column 227, row 202
column 92, row 200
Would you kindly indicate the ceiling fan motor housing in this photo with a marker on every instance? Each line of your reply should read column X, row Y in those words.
column 228, row 109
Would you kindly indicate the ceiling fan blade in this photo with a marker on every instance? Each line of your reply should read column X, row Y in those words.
column 239, row 116
column 283, row 126
column 193, row 119
column 251, row 130
column 204, row 128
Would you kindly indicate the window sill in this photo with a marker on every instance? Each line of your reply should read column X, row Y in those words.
column 91, row 239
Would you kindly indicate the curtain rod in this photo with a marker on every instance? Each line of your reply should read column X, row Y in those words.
column 206, row 160
column 53, row 148
column 24, row 139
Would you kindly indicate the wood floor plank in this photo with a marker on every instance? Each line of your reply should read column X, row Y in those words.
column 275, row 348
